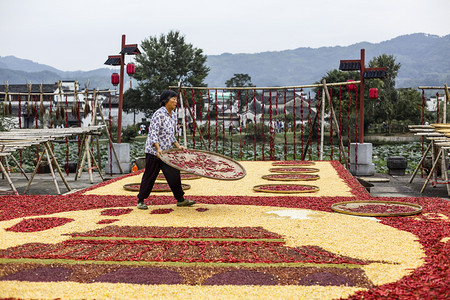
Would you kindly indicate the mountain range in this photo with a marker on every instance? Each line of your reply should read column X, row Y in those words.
column 424, row 59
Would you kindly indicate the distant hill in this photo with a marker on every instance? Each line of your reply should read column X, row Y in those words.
column 20, row 71
column 425, row 60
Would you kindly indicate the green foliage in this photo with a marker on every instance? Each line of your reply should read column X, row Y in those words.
column 130, row 132
column 409, row 106
column 239, row 80
column 133, row 102
column 165, row 61
column 341, row 97
column 385, row 109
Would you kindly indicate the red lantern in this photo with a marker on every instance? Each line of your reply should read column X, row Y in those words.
column 115, row 79
column 350, row 87
column 373, row 93
column 130, row 69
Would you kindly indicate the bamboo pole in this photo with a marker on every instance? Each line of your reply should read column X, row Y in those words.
column 110, row 139
column 19, row 166
column 341, row 144
column 95, row 163
column 195, row 123
column 431, row 171
column 420, row 162
column 431, row 87
column 94, row 122
column 322, row 125
column 34, row 172
column 6, row 98
column 53, row 93
column 47, row 145
column 28, row 98
column 265, row 88
column 81, row 162
column 52, row 172
column 89, row 164
column 183, row 114
column 447, row 94
column 8, row 179
column 310, row 135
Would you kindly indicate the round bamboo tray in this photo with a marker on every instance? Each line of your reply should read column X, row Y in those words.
column 157, row 187
column 291, row 177
column 377, row 208
column 285, row 188
column 204, row 163
column 293, row 170
column 293, row 163
column 183, row 175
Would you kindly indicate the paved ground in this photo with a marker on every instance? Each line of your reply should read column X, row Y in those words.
column 384, row 185
column 43, row 184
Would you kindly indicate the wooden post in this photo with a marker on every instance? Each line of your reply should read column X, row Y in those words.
column 81, row 161
column 51, row 171
column 421, row 161
column 47, row 145
column 322, row 125
column 119, row 116
column 431, row 171
column 341, row 145
column 361, row 98
column 8, row 179
column 109, row 138
column 182, row 113
column 34, row 172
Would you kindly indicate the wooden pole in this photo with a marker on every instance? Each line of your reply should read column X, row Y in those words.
column 47, row 145
column 8, row 179
column 110, row 139
column 265, row 88
column 51, row 171
column 341, row 144
column 182, row 113
column 195, row 123
column 34, row 172
column 310, row 135
column 420, row 163
column 431, row 171
column 81, row 163
column 322, row 125
column 361, row 98
column 119, row 116
column 447, row 94
column 19, row 166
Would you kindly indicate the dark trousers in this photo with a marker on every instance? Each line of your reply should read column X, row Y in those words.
column 152, row 167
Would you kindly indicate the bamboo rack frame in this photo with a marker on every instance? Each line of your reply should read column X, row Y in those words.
column 266, row 88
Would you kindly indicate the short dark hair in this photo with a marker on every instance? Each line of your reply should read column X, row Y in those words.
column 165, row 96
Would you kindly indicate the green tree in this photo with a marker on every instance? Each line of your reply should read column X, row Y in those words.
column 239, row 80
column 340, row 95
column 408, row 107
column 133, row 103
column 165, row 61
column 384, row 108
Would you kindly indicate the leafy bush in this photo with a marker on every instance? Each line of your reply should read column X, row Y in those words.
column 130, row 132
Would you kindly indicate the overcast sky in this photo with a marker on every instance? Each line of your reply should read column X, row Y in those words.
column 80, row 34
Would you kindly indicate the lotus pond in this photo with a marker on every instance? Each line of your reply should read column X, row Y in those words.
column 69, row 153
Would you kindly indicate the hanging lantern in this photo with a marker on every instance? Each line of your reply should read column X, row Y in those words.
column 130, row 69
column 350, row 87
column 373, row 93
column 115, row 79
